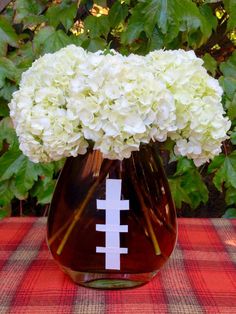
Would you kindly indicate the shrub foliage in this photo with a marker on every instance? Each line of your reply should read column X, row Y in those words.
column 31, row 28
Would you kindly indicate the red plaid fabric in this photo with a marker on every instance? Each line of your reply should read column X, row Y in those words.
column 200, row 277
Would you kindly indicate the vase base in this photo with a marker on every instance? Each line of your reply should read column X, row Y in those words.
column 108, row 280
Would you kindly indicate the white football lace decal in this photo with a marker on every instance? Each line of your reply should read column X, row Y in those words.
column 112, row 228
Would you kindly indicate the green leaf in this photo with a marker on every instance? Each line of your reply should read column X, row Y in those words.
column 209, row 19
column 228, row 82
column 10, row 162
column 225, row 171
column 132, row 32
column 145, row 16
column 5, row 211
column 4, row 110
column 63, row 14
column 157, row 40
column 6, row 194
column 196, row 189
column 187, row 14
column 172, row 40
column 27, row 8
column 171, row 18
column 33, row 20
column 155, row 12
column 179, row 194
column 210, row 63
column 43, row 191
column 192, row 19
column 22, row 173
column 97, row 26
column 8, row 191
column 183, row 166
column 216, row 163
column 3, row 48
column 117, row 13
column 102, row 3
column 7, row 90
column 58, row 165
column 26, row 175
column 23, row 57
column 8, row 70
column 48, row 40
column 231, row 112
column 233, row 137
column 135, row 24
column 185, row 188
column 229, row 86
column 16, row 192
column 46, row 170
column 94, row 44
column 228, row 68
column 7, row 132
column 7, row 33
column 230, row 6
column 230, row 213
column 230, row 196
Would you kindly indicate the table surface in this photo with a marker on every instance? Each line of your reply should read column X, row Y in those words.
column 200, row 276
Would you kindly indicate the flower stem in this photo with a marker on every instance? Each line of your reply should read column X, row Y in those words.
column 77, row 217
column 79, row 211
column 145, row 210
column 148, row 221
column 59, row 231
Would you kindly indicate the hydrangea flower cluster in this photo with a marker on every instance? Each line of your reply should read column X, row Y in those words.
column 72, row 98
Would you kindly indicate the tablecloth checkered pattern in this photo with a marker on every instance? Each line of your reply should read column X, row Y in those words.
column 200, row 276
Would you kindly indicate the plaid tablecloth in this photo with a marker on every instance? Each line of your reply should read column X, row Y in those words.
column 200, row 277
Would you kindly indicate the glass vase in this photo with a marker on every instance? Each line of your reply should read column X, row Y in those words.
column 112, row 223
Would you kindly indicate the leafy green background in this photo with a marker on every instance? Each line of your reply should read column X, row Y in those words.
column 30, row 28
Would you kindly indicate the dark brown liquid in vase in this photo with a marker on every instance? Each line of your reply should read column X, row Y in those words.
column 145, row 187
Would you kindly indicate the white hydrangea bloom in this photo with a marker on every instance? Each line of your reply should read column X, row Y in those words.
column 200, row 122
column 71, row 97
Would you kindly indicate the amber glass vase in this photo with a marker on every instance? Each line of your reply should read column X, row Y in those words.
column 112, row 224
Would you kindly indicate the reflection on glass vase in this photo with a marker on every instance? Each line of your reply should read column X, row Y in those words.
column 112, row 223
